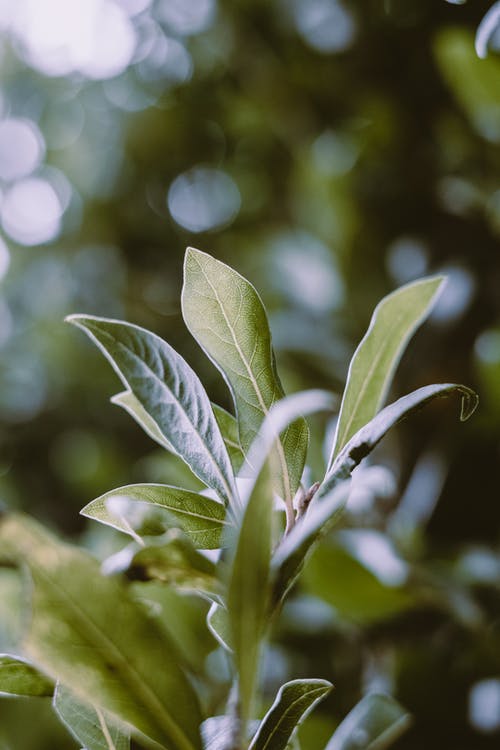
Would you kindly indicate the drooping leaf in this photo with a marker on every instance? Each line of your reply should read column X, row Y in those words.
column 293, row 702
column 229, row 430
column 394, row 321
column 171, row 559
column 88, row 633
column 219, row 625
column 378, row 719
column 365, row 440
column 131, row 404
column 293, row 550
column 150, row 509
column 18, row 677
column 89, row 724
column 171, row 394
column 227, row 318
column 248, row 590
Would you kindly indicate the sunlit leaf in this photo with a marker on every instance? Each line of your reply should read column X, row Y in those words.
column 86, row 632
column 372, row 367
column 150, row 509
column 89, row 724
column 131, row 404
column 18, row 677
column 377, row 719
column 293, row 702
column 365, row 440
column 486, row 30
column 170, row 392
column 248, row 590
column 227, row 318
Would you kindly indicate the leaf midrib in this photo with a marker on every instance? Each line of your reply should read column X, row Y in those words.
column 366, row 380
column 252, row 379
column 132, row 676
column 229, row 492
column 109, row 741
column 286, row 712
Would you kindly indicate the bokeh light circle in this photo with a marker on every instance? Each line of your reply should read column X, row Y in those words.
column 31, row 212
column 203, row 199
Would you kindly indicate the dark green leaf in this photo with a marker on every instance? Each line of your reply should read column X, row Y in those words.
column 18, row 677
column 89, row 724
column 375, row 723
column 149, row 509
column 294, row 701
column 227, row 318
column 171, row 394
column 372, row 367
column 87, row 632
column 365, row 440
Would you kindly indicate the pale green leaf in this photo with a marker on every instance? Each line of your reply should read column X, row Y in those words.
column 248, row 589
column 293, row 702
column 229, row 429
column 219, row 625
column 365, row 440
column 18, row 677
column 131, row 404
column 227, row 318
column 394, row 321
column 150, row 509
column 378, row 719
column 294, row 549
column 89, row 724
column 87, row 632
column 171, row 394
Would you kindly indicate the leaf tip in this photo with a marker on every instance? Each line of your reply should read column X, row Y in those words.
column 468, row 406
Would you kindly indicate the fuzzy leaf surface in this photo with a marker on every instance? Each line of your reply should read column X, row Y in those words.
column 229, row 429
column 293, row 702
column 379, row 719
column 227, row 318
column 394, row 321
column 365, row 440
column 18, row 677
column 131, row 404
column 171, row 394
column 89, row 724
column 150, row 509
column 86, row 631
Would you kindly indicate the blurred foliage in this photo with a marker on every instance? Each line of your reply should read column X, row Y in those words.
column 330, row 152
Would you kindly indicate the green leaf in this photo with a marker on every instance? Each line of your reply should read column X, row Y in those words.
column 219, row 625
column 229, row 429
column 88, row 633
column 89, row 724
column 219, row 732
column 293, row 550
column 394, row 321
column 127, row 401
column 227, row 318
column 150, row 509
column 377, row 719
column 170, row 392
column 248, row 590
column 227, row 425
column 365, row 440
column 294, row 701
column 18, row 677
column 171, row 559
